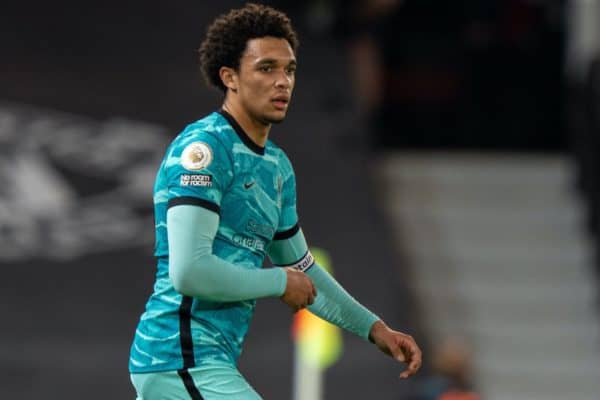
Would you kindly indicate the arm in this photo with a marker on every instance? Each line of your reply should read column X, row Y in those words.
column 333, row 303
column 336, row 305
column 195, row 271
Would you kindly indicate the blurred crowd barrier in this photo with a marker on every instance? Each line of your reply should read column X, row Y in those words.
column 72, row 185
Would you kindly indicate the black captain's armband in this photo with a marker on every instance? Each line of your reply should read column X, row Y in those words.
column 304, row 263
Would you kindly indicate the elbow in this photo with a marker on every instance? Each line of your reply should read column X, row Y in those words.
column 191, row 280
column 179, row 279
column 180, row 287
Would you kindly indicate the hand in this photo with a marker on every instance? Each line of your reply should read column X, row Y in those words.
column 398, row 345
column 300, row 290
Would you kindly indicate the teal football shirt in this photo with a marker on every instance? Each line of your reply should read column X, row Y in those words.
column 213, row 164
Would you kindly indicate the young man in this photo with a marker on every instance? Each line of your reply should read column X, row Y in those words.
column 224, row 198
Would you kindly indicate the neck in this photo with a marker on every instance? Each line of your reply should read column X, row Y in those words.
column 256, row 130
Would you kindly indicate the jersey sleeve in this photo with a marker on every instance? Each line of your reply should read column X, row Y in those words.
column 195, row 271
column 288, row 247
column 199, row 170
column 288, row 221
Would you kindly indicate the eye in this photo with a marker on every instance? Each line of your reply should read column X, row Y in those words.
column 265, row 68
column 291, row 70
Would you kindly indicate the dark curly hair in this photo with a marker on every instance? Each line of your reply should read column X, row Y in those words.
column 227, row 36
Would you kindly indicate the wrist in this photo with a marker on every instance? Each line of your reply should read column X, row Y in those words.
column 376, row 330
column 282, row 278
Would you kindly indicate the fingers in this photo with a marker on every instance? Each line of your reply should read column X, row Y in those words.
column 395, row 350
column 300, row 290
column 312, row 295
column 412, row 355
column 309, row 300
column 412, row 369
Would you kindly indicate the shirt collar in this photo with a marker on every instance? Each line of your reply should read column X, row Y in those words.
column 242, row 134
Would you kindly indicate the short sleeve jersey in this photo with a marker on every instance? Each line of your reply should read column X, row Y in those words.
column 213, row 164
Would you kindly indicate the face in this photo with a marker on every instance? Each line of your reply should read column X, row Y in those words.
column 265, row 80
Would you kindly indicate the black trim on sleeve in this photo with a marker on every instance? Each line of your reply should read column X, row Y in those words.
column 185, row 332
column 189, row 384
column 287, row 233
column 193, row 201
column 242, row 133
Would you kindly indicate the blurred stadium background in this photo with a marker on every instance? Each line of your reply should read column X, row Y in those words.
column 447, row 159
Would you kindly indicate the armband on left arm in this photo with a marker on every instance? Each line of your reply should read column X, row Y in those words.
column 289, row 249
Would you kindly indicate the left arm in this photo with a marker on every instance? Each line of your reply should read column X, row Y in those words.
column 334, row 304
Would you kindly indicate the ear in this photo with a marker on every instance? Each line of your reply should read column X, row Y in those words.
column 229, row 78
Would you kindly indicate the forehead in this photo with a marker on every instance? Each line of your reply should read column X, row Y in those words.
column 268, row 48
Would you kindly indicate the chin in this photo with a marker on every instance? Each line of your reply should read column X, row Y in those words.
column 274, row 119
column 277, row 120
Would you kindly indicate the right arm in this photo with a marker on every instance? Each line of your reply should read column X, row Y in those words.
column 195, row 271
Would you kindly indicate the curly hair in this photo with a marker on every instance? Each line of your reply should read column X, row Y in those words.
column 227, row 36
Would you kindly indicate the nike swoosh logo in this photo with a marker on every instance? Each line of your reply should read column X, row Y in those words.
column 249, row 185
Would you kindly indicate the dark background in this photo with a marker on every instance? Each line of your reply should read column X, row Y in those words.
column 69, row 320
column 456, row 75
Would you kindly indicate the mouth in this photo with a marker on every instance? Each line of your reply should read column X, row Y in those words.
column 280, row 102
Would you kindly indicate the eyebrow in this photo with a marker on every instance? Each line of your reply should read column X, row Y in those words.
column 271, row 61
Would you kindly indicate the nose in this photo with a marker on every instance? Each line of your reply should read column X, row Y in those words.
column 283, row 81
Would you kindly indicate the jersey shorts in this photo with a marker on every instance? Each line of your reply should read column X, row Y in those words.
column 210, row 381
column 213, row 164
